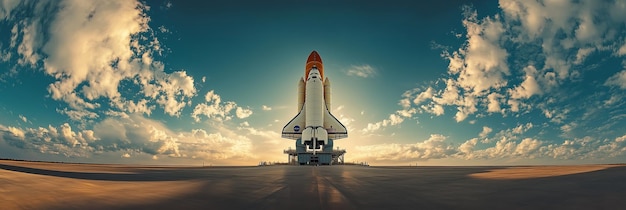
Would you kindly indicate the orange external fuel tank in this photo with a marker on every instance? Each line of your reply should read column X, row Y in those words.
column 314, row 59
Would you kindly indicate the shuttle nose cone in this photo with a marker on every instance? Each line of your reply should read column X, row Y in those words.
column 314, row 57
column 314, row 60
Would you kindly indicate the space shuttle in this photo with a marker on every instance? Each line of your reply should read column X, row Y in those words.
column 314, row 127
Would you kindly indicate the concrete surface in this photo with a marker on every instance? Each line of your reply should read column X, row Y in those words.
column 36, row 185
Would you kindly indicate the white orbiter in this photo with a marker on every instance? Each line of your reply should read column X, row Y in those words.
column 314, row 124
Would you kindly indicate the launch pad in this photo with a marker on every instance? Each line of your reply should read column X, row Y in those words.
column 328, row 155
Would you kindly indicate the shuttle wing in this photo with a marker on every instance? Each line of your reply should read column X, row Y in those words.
column 293, row 129
column 335, row 129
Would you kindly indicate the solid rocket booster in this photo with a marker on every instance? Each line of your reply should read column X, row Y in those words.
column 327, row 93
column 300, row 94
column 314, row 125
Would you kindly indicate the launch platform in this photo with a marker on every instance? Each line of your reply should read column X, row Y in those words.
column 329, row 156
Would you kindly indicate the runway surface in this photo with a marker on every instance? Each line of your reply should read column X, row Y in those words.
column 36, row 185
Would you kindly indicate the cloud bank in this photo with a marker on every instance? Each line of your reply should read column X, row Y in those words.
column 520, row 63
column 133, row 134
column 94, row 49
column 103, row 61
column 507, row 147
column 363, row 71
column 552, row 40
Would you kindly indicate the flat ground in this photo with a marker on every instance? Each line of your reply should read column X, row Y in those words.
column 36, row 185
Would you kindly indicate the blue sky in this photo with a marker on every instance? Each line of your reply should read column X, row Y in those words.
column 453, row 83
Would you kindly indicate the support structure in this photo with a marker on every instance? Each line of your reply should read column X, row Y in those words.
column 328, row 156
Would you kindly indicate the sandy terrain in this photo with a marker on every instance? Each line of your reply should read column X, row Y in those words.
column 38, row 190
column 36, row 185
column 528, row 172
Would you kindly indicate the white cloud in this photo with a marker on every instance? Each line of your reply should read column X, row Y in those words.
column 613, row 148
column 406, row 113
column 243, row 113
column 583, row 27
column 135, row 134
column 393, row 119
column 5, row 56
column 494, row 102
column 78, row 115
column 174, row 87
column 30, row 41
column 364, row 71
column 215, row 109
column 613, row 100
column 141, row 106
column 568, row 128
column 570, row 149
column 437, row 110
column 485, row 132
column 263, row 133
column 17, row 132
column 467, row 107
column 99, row 33
column 405, row 103
column 503, row 148
column 214, row 146
column 622, row 50
column 24, row 119
column 509, row 146
column 468, row 146
column 619, row 80
column 481, row 63
column 450, row 95
column 514, row 104
column 212, row 97
column 522, row 128
column 423, row 96
column 115, row 45
column 582, row 54
column 266, row 108
column 139, row 135
column 163, row 29
column 14, row 35
column 6, row 7
column 557, row 115
column 51, row 140
column 550, row 39
column 529, row 87
column 434, row 147
column 527, row 147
